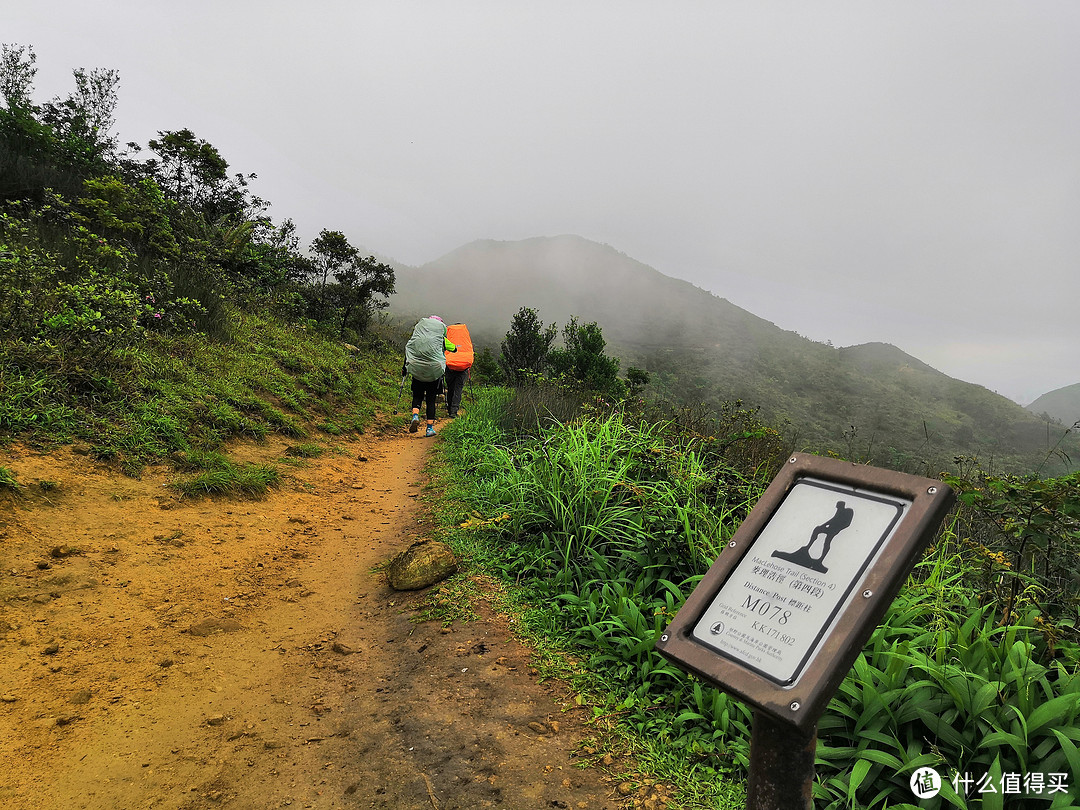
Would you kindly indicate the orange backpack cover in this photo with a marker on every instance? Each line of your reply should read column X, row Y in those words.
column 462, row 359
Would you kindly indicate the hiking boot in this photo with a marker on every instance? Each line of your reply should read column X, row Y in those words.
column 430, row 431
column 415, row 423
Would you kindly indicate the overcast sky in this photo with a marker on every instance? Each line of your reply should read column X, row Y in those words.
column 906, row 172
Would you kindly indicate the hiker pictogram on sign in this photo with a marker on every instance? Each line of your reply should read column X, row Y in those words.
column 785, row 593
column 830, row 528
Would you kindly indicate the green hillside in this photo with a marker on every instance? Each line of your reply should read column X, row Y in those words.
column 151, row 308
column 871, row 402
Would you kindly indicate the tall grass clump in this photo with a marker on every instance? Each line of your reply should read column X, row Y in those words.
column 8, row 481
column 608, row 523
column 605, row 523
column 219, row 476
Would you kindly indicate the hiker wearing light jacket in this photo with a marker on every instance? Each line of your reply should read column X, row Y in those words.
column 426, row 362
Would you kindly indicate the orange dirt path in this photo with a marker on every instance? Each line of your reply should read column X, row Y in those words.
column 206, row 653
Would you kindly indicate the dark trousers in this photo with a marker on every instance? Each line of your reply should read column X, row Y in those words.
column 422, row 391
column 455, row 384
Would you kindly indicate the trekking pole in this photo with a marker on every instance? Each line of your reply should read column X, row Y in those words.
column 399, row 390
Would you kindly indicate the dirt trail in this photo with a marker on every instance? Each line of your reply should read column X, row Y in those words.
column 164, row 653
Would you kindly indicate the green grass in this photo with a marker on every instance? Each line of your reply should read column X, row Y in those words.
column 176, row 394
column 597, row 531
column 453, row 601
column 497, row 496
column 8, row 481
column 305, row 450
column 231, row 479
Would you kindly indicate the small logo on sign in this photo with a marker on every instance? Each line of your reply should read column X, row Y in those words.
column 925, row 783
column 717, row 628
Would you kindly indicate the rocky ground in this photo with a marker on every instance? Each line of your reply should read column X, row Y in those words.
column 166, row 652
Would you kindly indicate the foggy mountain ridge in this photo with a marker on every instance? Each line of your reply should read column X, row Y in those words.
column 562, row 277
column 1062, row 404
column 699, row 347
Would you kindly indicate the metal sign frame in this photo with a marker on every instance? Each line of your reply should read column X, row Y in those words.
column 801, row 699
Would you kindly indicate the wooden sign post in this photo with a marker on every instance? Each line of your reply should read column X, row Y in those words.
column 782, row 614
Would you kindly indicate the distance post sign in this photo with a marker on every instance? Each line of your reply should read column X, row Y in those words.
column 787, row 591
column 782, row 614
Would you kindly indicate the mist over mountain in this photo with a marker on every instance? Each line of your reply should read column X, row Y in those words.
column 1062, row 404
column 871, row 401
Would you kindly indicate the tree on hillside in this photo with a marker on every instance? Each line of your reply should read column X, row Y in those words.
column 87, row 115
column 192, row 172
column 17, row 71
column 60, row 143
column 583, row 359
column 356, row 291
column 486, row 367
column 345, row 284
column 636, row 379
column 525, row 348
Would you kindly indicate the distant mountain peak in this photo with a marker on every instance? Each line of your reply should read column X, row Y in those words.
column 1062, row 404
column 699, row 347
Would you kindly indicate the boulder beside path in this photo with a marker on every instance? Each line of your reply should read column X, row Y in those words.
column 423, row 563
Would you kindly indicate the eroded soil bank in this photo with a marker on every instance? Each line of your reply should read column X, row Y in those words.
column 158, row 652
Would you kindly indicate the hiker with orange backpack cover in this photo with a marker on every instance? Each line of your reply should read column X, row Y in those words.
column 458, row 364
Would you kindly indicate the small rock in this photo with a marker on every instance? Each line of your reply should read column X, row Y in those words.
column 608, row 759
column 42, row 599
column 80, row 698
column 361, row 458
column 64, row 721
column 44, row 565
column 341, row 649
column 51, row 649
column 59, row 552
column 8, row 698
column 539, row 728
column 625, row 788
column 165, row 663
column 215, row 720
